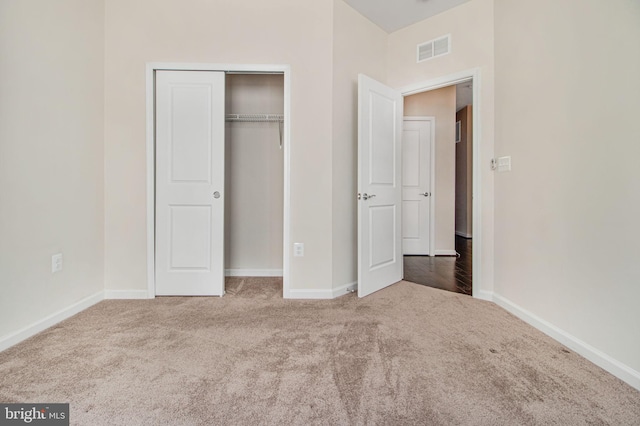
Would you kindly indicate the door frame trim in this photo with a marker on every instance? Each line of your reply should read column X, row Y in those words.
column 478, row 290
column 432, row 178
column 151, row 68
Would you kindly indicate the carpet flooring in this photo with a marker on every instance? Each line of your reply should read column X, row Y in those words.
column 405, row 355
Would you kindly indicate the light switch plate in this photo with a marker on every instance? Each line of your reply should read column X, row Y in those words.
column 504, row 164
column 298, row 249
column 56, row 263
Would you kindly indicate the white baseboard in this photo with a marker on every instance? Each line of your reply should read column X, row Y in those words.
column 321, row 294
column 49, row 321
column 463, row 235
column 295, row 293
column 484, row 295
column 126, row 294
column 253, row 272
column 344, row 289
column 599, row 358
column 446, row 253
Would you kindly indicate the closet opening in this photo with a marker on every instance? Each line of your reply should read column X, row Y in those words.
column 254, row 182
column 218, row 179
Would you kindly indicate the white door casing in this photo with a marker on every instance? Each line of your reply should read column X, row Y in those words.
column 190, row 183
column 417, row 185
column 380, row 261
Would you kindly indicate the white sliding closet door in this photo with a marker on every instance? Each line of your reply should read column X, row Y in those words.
column 190, row 183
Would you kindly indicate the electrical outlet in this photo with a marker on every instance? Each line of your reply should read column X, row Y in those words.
column 56, row 263
column 298, row 249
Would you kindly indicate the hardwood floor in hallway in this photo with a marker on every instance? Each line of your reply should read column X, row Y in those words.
column 444, row 272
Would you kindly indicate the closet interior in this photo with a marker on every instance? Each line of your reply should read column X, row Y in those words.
column 254, row 175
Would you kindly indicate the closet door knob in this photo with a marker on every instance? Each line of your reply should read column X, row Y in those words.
column 216, row 194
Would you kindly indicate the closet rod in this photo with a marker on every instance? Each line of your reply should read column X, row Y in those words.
column 255, row 117
column 270, row 118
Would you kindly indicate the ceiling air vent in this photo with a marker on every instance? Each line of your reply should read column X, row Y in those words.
column 434, row 48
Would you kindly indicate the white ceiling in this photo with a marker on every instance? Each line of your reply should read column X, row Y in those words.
column 392, row 15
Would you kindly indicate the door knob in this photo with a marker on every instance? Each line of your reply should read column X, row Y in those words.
column 216, row 194
column 366, row 196
column 426, row 194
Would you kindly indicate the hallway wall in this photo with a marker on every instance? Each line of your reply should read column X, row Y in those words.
column 464, row 173
column 441, row 104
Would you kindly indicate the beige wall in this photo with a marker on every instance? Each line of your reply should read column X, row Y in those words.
column 441, row 104
column 566, row 216
column 51, row 156
column 471, row 29
column 239, row 31
column 359, row 46
column 464, row 173
column 254, row 175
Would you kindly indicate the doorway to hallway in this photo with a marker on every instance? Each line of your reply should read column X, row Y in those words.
column 451, row 268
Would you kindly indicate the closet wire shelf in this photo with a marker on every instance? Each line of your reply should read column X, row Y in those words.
column 264, row 118
column 255, row 117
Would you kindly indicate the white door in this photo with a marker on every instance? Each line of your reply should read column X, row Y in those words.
column 189, row 183
column 416, row 185
column 379, row 186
